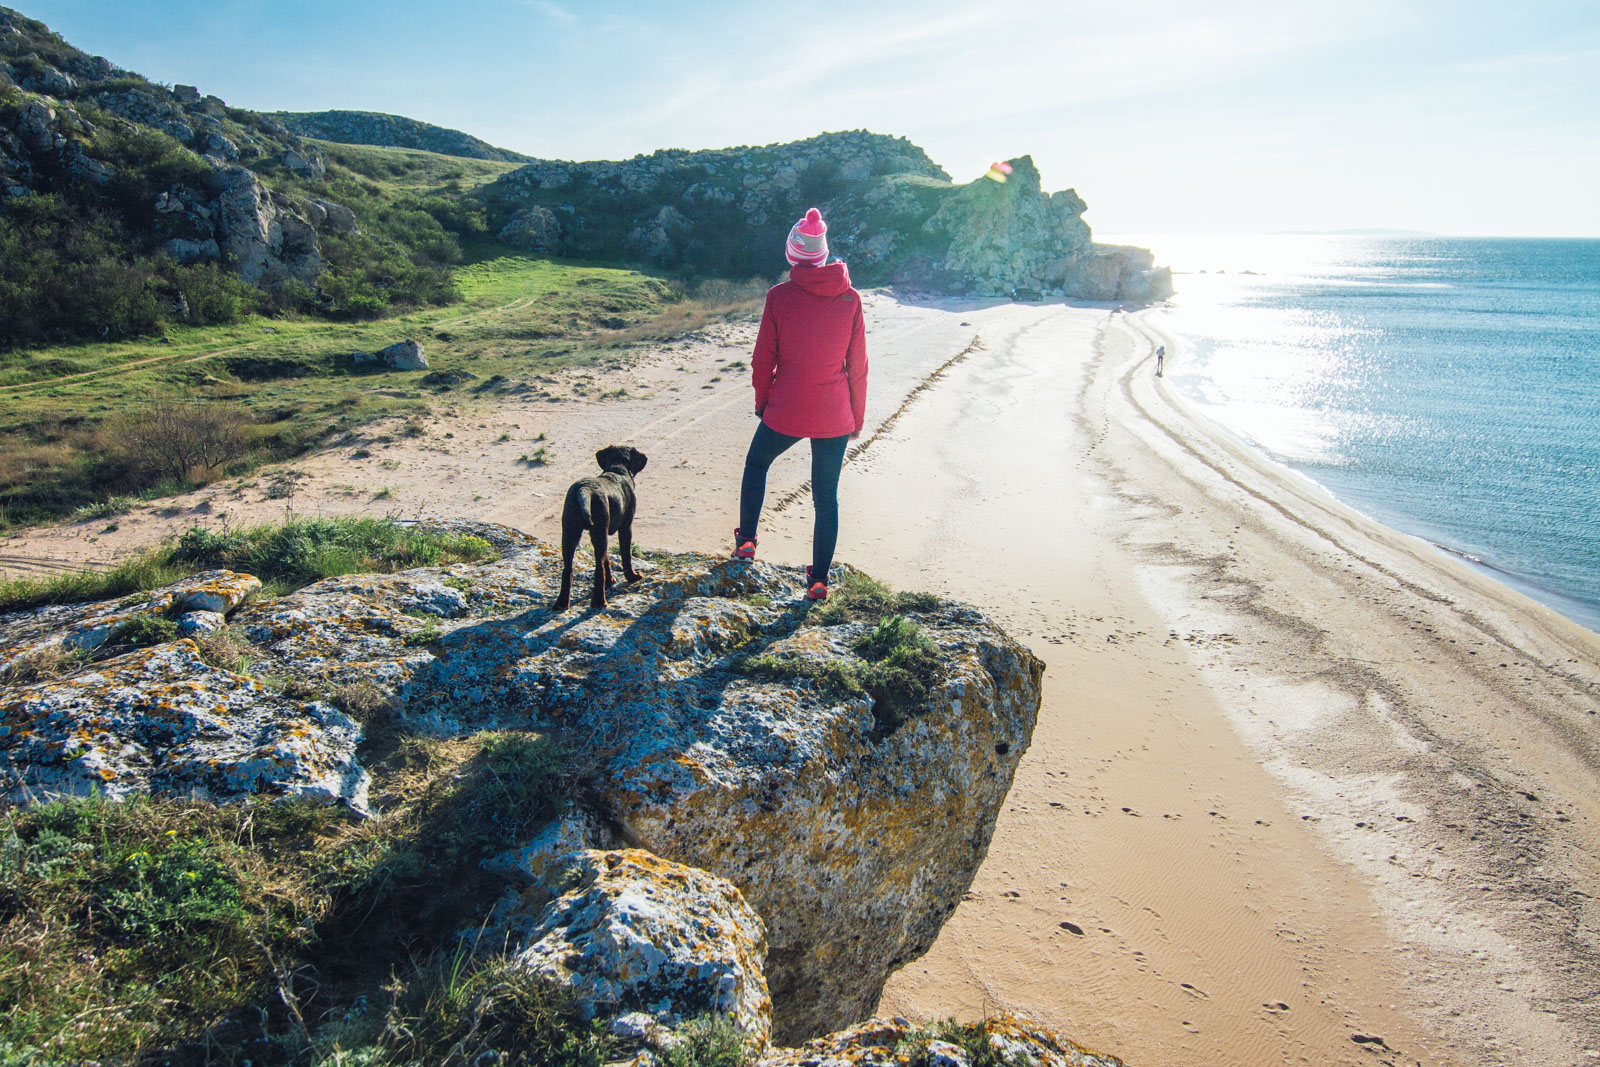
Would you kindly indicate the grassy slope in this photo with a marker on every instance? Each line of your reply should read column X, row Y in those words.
column 518, row 317
column 412, row 170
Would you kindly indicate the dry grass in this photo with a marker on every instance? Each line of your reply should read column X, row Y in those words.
column 43, row 663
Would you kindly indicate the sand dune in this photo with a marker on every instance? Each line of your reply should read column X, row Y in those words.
column 1304, row 790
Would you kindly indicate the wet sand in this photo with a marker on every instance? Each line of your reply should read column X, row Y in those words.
column 1303, row 789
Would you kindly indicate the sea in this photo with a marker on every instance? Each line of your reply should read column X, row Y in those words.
column 1448, row 387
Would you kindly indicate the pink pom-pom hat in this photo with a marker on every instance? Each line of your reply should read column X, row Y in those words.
column 808, row 240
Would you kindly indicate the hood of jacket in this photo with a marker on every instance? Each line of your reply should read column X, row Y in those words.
column 829, row 280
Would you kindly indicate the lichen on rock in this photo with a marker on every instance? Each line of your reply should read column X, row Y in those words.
column 895, row 1042
column 636, row 933
column 852, row 839
column 162, row 720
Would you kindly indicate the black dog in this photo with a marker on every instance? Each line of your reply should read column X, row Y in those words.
column 602, row 505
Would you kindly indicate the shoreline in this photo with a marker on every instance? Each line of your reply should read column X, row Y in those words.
column 1570, row 607
column 1277, row 807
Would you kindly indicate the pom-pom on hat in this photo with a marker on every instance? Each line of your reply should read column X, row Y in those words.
column 808, row 240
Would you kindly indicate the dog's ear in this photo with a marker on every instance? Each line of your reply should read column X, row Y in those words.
column 609, row 457
column 636, row 460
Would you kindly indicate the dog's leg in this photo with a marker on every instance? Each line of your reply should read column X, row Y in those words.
column 625, row 546
column 571, row 533
column 602, row 561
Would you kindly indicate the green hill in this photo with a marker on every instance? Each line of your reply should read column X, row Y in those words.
column 392, row 131
column 126, row 206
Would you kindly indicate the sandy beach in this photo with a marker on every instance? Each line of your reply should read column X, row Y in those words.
column 1303, row 789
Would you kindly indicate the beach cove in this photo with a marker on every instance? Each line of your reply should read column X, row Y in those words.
column 1303, row 789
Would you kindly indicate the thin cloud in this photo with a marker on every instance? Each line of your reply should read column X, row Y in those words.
column 552, row 10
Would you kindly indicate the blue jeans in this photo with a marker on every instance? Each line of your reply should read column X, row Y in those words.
column 827, row 459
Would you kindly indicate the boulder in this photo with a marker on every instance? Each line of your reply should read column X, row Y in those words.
column 36, row 126
column 404, row 355
column 86, row 627
column 186, row 94
column 534, row 230
column 49, row 81
column 200, row 623
column 1010, row 1038
column 162, row 720
column 634, row 933
column 187, row 251
column 663, row 238
column 218, row 145
column 264, row 241
column 304, row 163
column 337, row 217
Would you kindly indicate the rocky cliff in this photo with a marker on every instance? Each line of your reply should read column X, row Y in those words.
column 893, row 214
column 392, row 131
column 122, row 201
column 704, row 709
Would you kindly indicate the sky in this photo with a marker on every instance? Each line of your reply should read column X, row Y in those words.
column 1167, row 116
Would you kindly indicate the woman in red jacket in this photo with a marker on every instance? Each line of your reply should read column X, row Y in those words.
column 810, row 374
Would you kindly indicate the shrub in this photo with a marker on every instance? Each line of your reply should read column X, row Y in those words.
column 458, row 1012
column 212, row 294
column 710, row 1041
column 147, row 630
column 178, row 440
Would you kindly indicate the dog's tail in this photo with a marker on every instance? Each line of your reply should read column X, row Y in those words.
column 582, row 501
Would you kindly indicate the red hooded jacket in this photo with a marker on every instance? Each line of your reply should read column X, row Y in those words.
column 810, row 362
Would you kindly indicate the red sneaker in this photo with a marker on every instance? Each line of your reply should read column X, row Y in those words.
column 743, row 547
column 815, row 590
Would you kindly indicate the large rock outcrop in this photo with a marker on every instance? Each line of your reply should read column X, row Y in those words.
column 893, row 214
column 217, row 205
column 265, row 240
column 852, row 836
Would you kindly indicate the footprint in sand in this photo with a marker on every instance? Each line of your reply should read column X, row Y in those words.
column 1276, row 1006
column 1194, row 992
column 1071, row 928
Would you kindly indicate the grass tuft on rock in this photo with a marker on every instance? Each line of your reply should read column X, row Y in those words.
column 302, row 551
column 284, row 556
column 456, row 1011
column 971, row 1038
column 898, row 667
column 858, row 598
column 143, row 572
column 126, row 924
column 710, row 1041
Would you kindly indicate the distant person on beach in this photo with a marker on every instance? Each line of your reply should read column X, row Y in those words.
column 1161, row 358
column 810, row 376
